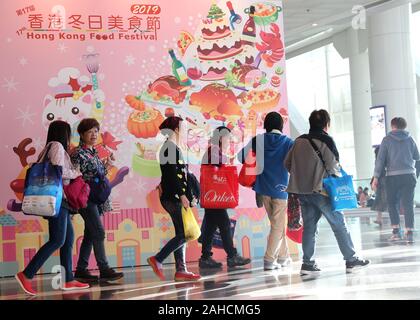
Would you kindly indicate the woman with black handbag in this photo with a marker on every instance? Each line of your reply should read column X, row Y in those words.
column 94, row 172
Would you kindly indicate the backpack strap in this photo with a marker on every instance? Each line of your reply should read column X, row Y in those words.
column 316, row 149
column 254, row 144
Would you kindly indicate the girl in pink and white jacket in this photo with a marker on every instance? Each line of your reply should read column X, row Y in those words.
column 60, row 227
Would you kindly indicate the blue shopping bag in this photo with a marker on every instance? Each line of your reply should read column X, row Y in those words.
column 217, row 238
column 341, row 192
column 43, row 191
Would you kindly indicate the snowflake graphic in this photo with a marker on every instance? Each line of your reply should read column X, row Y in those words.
column 38, row 143
column 115, row 193
column 62, row 48
column 140, row 186
column 8, row 40
column 129, row 200
column 130, row 60
column 23, row 61
column 25, row 116
column 10, row 84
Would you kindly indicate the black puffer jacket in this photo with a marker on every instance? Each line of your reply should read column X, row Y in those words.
column 174, row 170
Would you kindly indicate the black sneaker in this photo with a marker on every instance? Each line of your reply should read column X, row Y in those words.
column 237, row 261
column 209, row 263
column 356, row 265
column 85, row 276
column 308, row 269
column 110, row 275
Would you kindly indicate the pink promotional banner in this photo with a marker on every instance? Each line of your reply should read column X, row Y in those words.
column 130, row 65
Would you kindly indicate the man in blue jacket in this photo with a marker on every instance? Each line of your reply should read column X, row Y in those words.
column 398, row 154
column 271, row 182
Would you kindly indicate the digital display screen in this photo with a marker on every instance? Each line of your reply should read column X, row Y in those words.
column 377, row 124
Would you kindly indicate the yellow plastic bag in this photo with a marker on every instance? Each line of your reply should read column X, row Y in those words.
column 191, row 229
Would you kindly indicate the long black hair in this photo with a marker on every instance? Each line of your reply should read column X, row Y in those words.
column 59, row 131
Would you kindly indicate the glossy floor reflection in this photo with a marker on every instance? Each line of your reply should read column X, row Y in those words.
column 394, row 274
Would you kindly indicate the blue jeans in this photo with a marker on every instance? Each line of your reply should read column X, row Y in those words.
column 61, row 237
column 401, row 187
column 177, row 244
column 313, row 207
column 93, row 237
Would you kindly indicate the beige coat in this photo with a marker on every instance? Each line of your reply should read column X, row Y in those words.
column 305, row 167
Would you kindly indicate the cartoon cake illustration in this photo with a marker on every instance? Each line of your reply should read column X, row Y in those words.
column 219, row 47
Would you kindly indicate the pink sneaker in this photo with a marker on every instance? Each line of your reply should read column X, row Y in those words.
column 187, row 276
column 74, row 285
column 25, row 283
column 157, row 267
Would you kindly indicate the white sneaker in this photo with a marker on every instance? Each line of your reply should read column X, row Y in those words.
column 271, row 265
column 284, row 262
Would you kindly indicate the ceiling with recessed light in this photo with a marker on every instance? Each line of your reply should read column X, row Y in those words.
column 309, row 21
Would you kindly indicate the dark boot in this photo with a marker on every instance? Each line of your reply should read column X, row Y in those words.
column 237, row 261
column 85, row 276
column 209, row 263
column 110, row 275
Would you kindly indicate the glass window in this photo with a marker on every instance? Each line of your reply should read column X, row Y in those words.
column 320, row 79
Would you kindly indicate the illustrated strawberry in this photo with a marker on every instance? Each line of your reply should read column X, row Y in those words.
column 206, row 115
column 219, row 117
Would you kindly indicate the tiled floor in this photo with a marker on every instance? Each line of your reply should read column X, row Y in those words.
column 394, row 274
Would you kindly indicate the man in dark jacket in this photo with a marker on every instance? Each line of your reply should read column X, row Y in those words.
column 398, row 155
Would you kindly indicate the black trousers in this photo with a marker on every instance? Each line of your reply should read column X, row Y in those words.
column 400, row 190
column 213, row 219
column 94, row 237
column 177, row 244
